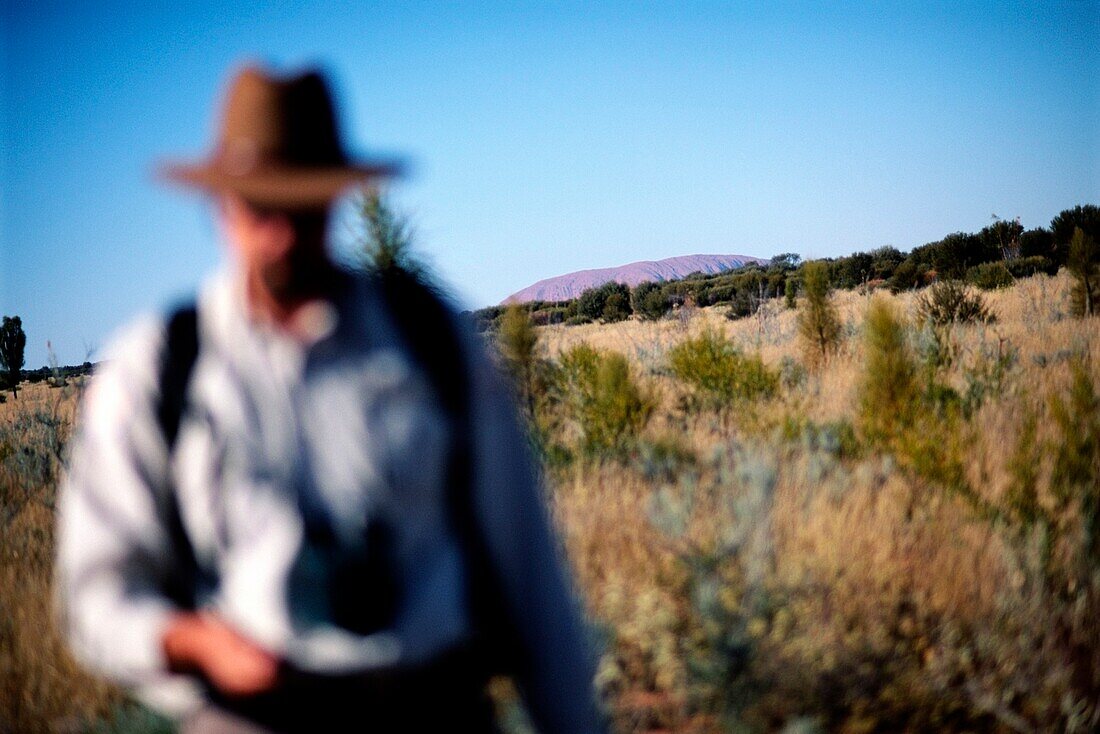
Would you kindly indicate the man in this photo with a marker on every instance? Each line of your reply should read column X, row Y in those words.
column 306, row 504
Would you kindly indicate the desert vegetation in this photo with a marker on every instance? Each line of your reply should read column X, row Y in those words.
column 902, row 537
column 856, row 509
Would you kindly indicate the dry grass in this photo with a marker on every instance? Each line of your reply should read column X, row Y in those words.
column 882, row 599
column 779, row 568
column 41, row 688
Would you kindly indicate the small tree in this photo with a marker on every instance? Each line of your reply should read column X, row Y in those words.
column 609, row 302
column 649, row 301
column 790, row 292
column 12, row 343
column 818, row 321
column 1083, row 264
column 517, row 340
column 950, row 301
column 387, row 240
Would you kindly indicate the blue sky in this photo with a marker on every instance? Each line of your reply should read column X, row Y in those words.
column 544, row 137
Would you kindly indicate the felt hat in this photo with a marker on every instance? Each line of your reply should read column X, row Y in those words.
column 278, row 145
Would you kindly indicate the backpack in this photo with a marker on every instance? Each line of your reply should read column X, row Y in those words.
column 423, row 321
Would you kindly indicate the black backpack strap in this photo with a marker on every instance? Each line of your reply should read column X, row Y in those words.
column 181, row 351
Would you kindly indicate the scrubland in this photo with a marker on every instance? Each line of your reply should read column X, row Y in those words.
column 902, row 536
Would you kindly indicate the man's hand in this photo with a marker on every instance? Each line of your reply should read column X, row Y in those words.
column 234, row 665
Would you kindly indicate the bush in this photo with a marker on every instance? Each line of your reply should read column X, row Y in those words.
column 649, row 301
column 888, row 391
column 616, row 307
column 1025, row 267
column 1083, row 264
column 950, row 301
column 990, row 276
column 818, row 321
column 610, row 302
column 719, row 372
column 790, row 290
column 602, row 399
column 517, row 341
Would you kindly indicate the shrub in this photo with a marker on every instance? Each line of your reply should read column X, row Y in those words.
column 616, row 307
column 1084, row 265
column 719, row 372
column 989, row 276
column 649, row 301
column 889, row 388
column 610, row 302
column 790, row 290
column 818, row 322
column 517, row 341
column 1025, row 267
column 950, row 301
column 602, row 399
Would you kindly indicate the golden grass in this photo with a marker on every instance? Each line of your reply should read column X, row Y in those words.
column 780, row 579
column 885, row 580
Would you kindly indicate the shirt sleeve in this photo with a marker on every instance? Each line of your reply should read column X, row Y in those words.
column 113, row 552
column 555, row 665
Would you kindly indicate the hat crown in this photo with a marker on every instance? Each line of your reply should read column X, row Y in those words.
column 278, row 122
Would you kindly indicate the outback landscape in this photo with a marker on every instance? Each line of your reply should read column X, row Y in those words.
column 828, row 498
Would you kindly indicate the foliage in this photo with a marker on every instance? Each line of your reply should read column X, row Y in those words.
column 1037, row 242
column 517, row 340
column 721, row 375
column 889, row 388
column 950, row 301
column 990, row 276
column 1083, row 262
column 790, row 291
column 387, row 240
column 602, row 399
column 1086, row 217
column 649, row 301
column 12, row 343
column 1024, row 267
column 609, row 302
column 818, row 322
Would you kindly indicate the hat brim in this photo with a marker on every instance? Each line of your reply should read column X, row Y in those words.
column 280, row 186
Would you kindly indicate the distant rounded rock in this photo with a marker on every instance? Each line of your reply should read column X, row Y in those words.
column 571, row 285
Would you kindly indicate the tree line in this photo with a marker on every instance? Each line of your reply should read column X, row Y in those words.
column 991, row 258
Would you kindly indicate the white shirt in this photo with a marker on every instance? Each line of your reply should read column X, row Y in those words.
column 341, row 425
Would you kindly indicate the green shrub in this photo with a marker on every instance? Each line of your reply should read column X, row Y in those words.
column 649, row 301
column 1084, row 265
column 616, row 307
column 950, row 301
column 1025, row 267
column 818, row 322
column 719, row 372
column 610, row 302
column 517, row 340
column 601, row 398
column 889, row 386
column 990, row 276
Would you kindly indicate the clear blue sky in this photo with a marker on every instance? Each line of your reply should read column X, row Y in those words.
column 545, row 137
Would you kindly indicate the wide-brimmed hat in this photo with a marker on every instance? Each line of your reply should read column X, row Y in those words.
column 278, row 144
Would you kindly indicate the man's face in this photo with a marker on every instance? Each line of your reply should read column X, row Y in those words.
column 284, row 250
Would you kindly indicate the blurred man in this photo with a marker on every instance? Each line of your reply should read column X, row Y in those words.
column 304, row 502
